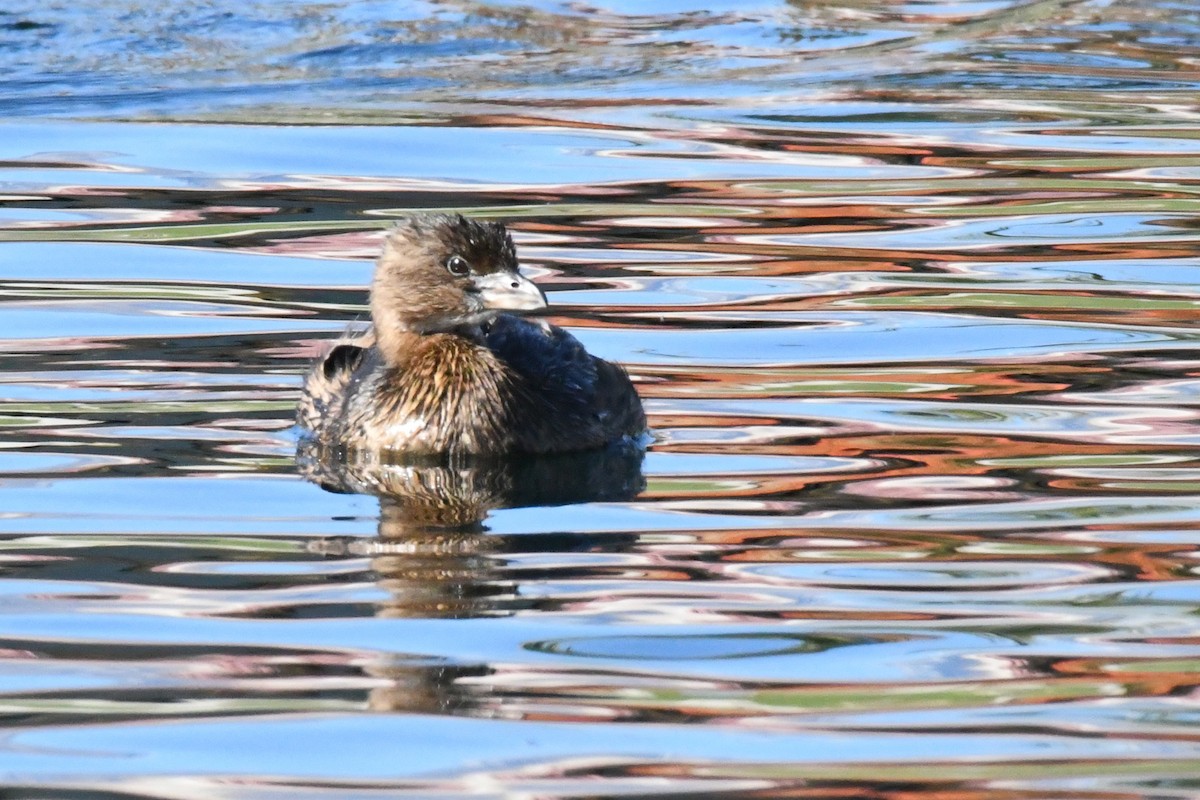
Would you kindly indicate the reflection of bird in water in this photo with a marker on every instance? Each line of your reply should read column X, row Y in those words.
column 442, row 371
column 434, row 556
column 433, row 553
column 440, row 494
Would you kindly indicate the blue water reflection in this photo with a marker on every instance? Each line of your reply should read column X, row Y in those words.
column 910, row 293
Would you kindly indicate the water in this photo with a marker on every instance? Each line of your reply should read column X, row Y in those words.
column 910, row 291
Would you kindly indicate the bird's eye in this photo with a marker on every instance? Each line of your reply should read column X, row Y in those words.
column 457, row 265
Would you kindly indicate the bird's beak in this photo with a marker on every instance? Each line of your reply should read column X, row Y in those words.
column 508, row 291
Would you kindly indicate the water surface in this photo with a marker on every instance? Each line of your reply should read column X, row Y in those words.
column 910, row 291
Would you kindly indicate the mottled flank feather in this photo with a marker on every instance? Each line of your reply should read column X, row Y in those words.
column 327, row 383
column 443, row 372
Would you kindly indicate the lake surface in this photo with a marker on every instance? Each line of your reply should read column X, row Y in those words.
column 911, row 292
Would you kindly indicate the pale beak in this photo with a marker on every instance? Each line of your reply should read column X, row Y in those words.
column 508, row 291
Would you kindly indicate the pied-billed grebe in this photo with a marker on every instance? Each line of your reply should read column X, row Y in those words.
column 442, row 371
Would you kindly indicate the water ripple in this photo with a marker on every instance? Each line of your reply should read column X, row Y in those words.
column 910, row 292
